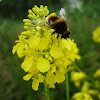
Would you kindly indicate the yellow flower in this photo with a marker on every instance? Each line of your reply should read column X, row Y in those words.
column 46, row 57
column 19, row 47
column 70, row 49
column 36, row 81
column 77, row 77
column 96, row 34
column 81, row 96
column 34, row 74
column 56, row 74
column 86, row 88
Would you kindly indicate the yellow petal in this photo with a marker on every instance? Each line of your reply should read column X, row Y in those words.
column 66, row 43
column 35, row 84
column 43, row 65
column 67, row 61
column 34, row 41
column 60, row 77
column 47, row 56
column 27, row 63
column 27, row 77
column 33, row 69
column 40, row 78
column 53, row 68
column 43, row 44
column 15, row 48
column 20, row 50
column 62, row 69
column 50, row 78
column 51, row 85
column 56, row 51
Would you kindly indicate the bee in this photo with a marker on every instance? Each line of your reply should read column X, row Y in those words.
column 59, row 24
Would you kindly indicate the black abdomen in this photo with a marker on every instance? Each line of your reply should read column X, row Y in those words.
column 60, row 27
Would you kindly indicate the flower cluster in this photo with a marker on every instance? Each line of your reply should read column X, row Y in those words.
column 46, row 56
column 88, row 88
column 81, row 96
column 96, row 34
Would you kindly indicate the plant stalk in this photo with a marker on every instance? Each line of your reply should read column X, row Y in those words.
column 46, row 91
column 67, row 87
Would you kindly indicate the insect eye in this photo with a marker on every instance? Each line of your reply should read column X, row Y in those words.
column 68, row 32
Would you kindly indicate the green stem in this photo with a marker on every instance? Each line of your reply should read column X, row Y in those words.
column 46, row 91
column 67, row 87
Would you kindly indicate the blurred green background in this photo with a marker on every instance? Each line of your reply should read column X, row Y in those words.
column 83, row 16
